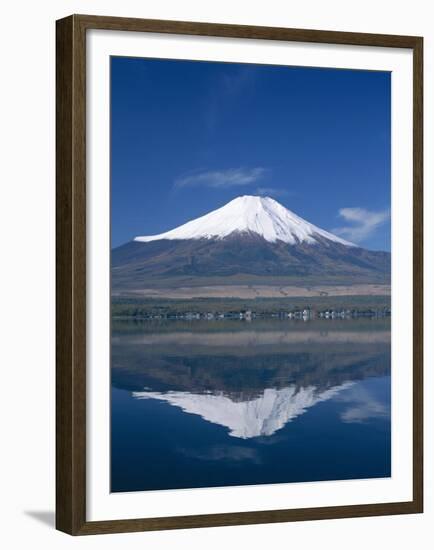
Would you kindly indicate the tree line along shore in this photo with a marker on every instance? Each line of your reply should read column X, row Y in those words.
column 322, row 307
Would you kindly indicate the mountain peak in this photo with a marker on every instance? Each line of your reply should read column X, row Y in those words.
column 250, row 214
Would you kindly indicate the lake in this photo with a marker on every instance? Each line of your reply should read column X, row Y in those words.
column 221, row 403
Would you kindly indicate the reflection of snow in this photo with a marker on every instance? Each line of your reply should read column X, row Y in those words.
column 364, row 406
column 263, row 415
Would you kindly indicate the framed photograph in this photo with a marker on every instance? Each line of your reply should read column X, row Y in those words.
column 239, row 275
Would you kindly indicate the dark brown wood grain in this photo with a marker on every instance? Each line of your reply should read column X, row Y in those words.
column 71, row 274
column 418, row 274
column 70, row 277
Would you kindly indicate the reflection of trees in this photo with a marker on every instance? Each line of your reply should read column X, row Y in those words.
column 245, row 370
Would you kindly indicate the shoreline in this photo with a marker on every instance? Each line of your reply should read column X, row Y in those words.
column 241, row 316
column 253, row 291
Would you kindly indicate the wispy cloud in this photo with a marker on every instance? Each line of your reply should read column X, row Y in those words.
column 363, row 223
column 271, row 192
column 224, row 452
column 233, row 177
column 363, row 406
column 234, row 81
column 227, row 89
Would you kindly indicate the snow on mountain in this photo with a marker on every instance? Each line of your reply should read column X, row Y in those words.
column 262, row 216
column 261, row 416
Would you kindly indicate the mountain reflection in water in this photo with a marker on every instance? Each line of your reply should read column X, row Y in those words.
column 252, row 382
column 261, row 415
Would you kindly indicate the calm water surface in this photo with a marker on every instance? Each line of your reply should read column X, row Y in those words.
column 217, row 403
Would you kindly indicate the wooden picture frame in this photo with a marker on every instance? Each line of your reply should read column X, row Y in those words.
column 71, row 274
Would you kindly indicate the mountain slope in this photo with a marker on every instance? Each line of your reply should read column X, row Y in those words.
column 259, row 216
column 250, row 240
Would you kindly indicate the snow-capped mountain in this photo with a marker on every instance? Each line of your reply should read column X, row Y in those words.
column 262, row 216
column 248, row 241
column 262, row 416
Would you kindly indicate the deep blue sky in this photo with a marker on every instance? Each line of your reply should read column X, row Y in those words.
column 188, row 136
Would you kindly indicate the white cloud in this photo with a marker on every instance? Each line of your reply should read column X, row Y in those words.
column 233, row 177
column 363, row 222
